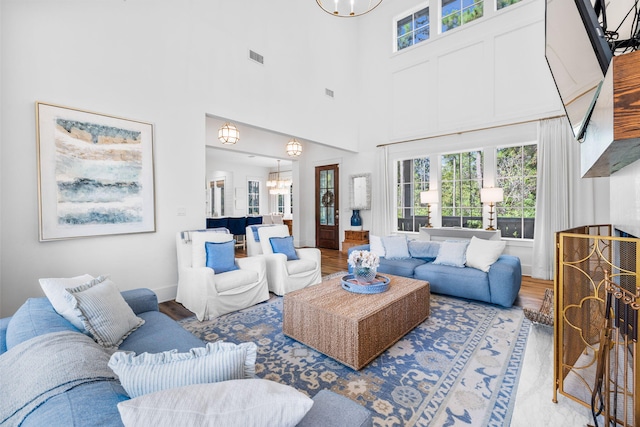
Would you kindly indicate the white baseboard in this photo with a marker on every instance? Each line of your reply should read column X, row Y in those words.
column 167, row 293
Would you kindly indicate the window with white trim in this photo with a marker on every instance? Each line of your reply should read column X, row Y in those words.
column 412, row 179
column 412, row 29
column 517, row 169
column 459, row 12
column 460, row 184
column 501, row 4
column 253, row 197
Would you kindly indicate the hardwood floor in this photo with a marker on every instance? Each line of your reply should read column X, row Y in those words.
column 530, row 296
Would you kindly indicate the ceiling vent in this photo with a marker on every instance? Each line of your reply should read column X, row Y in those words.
column 255, row 56
column 328, row 92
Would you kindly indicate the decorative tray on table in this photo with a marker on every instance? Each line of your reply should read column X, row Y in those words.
column 379, row 285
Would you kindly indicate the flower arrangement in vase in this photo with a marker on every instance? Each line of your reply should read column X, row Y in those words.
column 365, row 266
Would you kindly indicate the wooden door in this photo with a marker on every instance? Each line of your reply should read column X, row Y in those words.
column 327, row 207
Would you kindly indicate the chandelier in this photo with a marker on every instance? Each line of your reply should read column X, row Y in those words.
column 348, row 8
column 294, row 148
column 228, row 134
column 277, row 185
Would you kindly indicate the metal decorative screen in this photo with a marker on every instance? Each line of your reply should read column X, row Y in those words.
column 596, row 338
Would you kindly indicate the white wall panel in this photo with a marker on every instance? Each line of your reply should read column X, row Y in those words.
column 413, row 100
column 463, row 93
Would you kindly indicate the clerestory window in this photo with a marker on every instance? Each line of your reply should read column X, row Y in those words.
column 412, row 29
column 460, row 12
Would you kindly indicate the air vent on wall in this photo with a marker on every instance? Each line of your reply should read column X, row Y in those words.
column 328, row 92
column 255, row 56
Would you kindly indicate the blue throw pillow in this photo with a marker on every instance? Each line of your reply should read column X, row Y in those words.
column 284, row 245
column 221, row 256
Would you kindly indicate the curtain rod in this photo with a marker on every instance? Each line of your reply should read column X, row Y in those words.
column 469, row 131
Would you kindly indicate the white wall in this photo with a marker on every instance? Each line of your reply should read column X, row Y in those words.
column 165, row 62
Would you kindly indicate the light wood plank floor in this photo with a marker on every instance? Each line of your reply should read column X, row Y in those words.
column 531, row 292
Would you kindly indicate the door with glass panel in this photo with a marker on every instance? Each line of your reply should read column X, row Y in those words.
column 327, row 209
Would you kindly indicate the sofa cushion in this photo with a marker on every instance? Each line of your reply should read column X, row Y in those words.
column 459, row 282
column 481, row 253
column 104, row 312
column 221, row 256
column 35, row 317
column 151, row 372
column 452, row 253
column 395, row 247
column 332, row 409
column 399, row 267
column 248, row 402
column 56, row 290
column 153, row 336
column 231, row 280
column 284, row 245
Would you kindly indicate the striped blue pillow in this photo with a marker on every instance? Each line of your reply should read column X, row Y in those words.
column 103, row 311
column 218, row 361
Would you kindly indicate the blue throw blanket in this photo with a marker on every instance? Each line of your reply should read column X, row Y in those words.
column 40, row 368
column 255, row 228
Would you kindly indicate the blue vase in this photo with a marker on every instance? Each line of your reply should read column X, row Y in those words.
column 356, row 221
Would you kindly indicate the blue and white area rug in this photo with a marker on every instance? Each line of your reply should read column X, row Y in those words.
column 460, row 367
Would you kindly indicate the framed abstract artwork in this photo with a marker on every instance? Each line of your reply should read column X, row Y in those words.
column 95, row 174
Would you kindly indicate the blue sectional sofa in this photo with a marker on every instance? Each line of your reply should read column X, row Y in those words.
column 95, row 403
column 500, row 285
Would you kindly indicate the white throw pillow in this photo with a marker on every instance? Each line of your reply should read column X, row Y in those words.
column 198, row 251
column 481, row 253
column 235, row 403
column 104, row 312
column 217, row 361
column 56, row 288
column 395, row 247
column 452, row 253
column 375, row 245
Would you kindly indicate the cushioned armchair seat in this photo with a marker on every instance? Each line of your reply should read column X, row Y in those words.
column 284, row 275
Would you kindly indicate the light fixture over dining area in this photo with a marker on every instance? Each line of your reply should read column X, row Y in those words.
column 348, row 8
column 228, row 134
column 294, row 148
column 276, row 184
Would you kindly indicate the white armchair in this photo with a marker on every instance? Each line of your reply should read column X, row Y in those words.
column 284, row 276
column 209, row 294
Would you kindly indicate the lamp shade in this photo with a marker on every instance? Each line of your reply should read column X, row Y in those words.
column 491, row 195
column 294, row 148
column 429, row 197
column 228, row 134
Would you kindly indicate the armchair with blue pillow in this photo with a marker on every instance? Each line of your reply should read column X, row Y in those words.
column 211, row 281
column 288, row 268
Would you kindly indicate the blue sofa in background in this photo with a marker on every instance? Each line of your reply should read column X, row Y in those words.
column 95, row 403
column 499, row 286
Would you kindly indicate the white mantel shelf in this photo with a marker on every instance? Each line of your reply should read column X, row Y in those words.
column 444, row 233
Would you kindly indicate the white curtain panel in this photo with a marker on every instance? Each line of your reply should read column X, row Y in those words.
column 381, row 201
column 564, row 199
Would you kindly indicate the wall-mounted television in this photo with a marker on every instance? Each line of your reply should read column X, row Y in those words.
column 578, row 56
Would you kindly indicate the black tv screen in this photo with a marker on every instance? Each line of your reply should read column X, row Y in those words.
column 578, row 57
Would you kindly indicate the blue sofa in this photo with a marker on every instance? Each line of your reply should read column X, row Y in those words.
column 95, row 403
column 499, row 286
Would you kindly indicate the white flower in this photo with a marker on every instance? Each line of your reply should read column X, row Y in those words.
column 364, row 259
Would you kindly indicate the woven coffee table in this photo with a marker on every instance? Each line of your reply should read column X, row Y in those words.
column 354, row 328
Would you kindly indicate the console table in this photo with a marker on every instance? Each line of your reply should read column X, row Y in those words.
column 444, row 233
column 354, row 238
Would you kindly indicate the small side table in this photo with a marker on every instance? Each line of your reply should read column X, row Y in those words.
column 354, row 238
